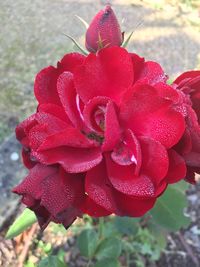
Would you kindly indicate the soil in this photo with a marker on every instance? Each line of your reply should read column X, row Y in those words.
column 31, row 39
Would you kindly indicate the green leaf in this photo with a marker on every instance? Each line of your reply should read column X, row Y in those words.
column 29, row 264
column 109, row 229
column 125, row 43
column 109, row 248
column 77, row 44
column 51, row 261
column 169, row 209
column 25, row 220
column 108, row 263
column 126, row 225
column 83, row 21
column 87, row 242
column 127, row 40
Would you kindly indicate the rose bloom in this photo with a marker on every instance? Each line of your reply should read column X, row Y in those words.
column 107, row 137
column 188, row 85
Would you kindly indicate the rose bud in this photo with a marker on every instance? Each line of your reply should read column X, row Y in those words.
column 103, row 31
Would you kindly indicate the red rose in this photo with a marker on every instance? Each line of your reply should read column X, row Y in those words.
column 189, row 146
column 103, row 31
column 102, row 140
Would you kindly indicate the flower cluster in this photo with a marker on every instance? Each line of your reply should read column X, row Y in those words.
column 109, row 133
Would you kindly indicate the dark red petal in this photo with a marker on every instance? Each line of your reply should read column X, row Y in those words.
column 184, row 146
column 37, row 135
column 22, row 130
column 155, row 160
column 70, row 62
column 53, row 196
column 147, row 114
column 42, row 214
column 107, row 73
column 93, row 209
column 70, row 99
column 61, row 191
column 192, row 159
column 70, row 137
column 133, row 207
column 125, row 181
column 189, row 83
column 73, row 160
column 185, row 77
column 128, row 151
column 32, row 184
column 177, row 168
column 191, row 173
column 45, row 86
column 194, row 129
column 99, row 189
column 112, row 132
column 27, row 160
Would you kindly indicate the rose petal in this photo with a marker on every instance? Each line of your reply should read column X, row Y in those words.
column 68, row 97
column 61, row 191
column 125, row 181
column 45, row 86
column 27, row 160
column 45, row 83
column 155, row 160
column 177, row 168
column 184, row 146
column 98, row 103
column 185, row 77
column 32, row 184
column 54, row 110
column 151, row 73
column 99, row 189
column 133, row 207
column 107, row 73
column 73, row 160
column 138, row 64
column 70, row 137
column 167, row 92
column 128, row 152
column 147, row 114
column 93, row 209
column 70, row 62
column 22, row 130
column 112, row 132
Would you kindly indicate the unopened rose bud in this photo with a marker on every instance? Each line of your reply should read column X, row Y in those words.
column 103, row 31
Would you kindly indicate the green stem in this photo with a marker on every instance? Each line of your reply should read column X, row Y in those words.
column 127, row 259
column 101, row 225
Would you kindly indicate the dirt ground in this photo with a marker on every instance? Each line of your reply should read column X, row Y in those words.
column 32, row 38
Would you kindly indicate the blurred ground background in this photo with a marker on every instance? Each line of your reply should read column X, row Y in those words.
column 31, row 37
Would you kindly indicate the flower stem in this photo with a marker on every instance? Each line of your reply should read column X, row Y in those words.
column 101, row 225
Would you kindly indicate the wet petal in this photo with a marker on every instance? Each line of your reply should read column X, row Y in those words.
column 107, row 73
